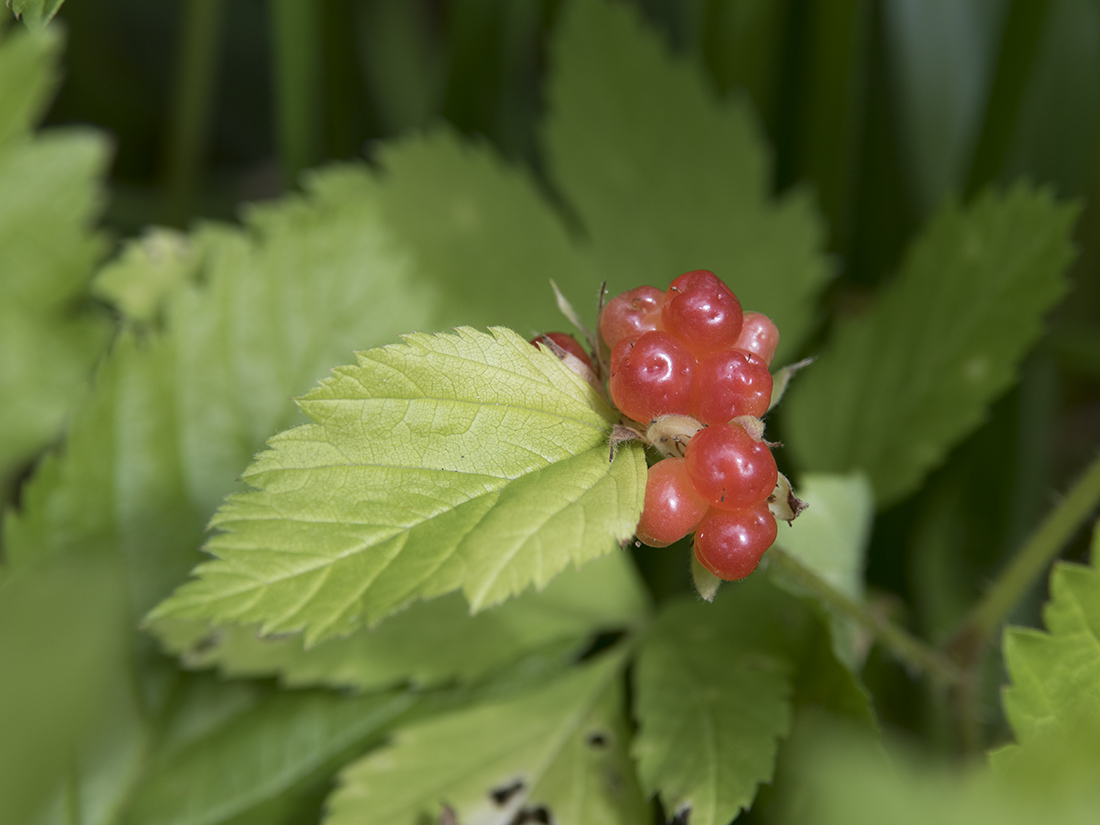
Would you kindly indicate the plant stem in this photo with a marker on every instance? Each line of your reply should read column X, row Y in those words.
column 1044, row 545
column 192, row 102
column 904, row 645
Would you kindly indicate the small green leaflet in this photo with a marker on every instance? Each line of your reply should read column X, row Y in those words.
column 713, row 687
column 665, row 178
column 430, row 643
column 1056, row 675
column 469, row 460
column 902, row 384
column 561, row 749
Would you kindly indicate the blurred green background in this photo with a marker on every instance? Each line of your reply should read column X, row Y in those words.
column 884, row 108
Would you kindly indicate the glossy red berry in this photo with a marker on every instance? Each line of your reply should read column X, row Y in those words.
column 759, row 335
column 702, row 312
column 730, row 383
column 672, row 507
column 729, row 468
column 729, row 543
column 651, row 375
column 568, row 343
column 631, row 314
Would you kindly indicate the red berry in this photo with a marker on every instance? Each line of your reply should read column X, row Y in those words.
column 672, row 507
column 729, row 383
column 759, row 335
column 568, row 343
column 729, row 468
column 632, row 313
column 651, row 375
column 702, row 312
column 730, row 543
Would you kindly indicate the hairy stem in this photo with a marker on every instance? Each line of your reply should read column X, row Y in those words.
column 904, row 645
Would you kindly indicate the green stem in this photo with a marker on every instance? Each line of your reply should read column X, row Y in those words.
column 1045, row 544
column 296, row 50
column 905, row 646
column 192, row 102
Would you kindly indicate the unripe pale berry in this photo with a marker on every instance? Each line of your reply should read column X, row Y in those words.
column 651, row 375
column 672, row 507
column 702, row 312
column 631, row 314
column 729, row 543
column 729, row 468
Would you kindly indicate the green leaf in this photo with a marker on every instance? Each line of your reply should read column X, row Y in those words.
column 49, row 195
column 666, row 179
column 479, row 230
column 713, row 684
column 174, row 416
column 35, row 13
column 1056, row 675
column 231, row 765
column 392, row 493
column 432, row 642
column 830, row 538
column 561, row 748
column 61, row 656
column 905, row 382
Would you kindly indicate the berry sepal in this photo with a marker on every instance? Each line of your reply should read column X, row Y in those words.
column 706, row 583
column 783, row 503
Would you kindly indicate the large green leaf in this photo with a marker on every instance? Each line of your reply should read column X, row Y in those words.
column 469, row 460
column 905, row 382
column 49, row 194
column 175, row 416
column 666, row 178
column 558, row 753
column 713, row 686
column 217, row 768
column 432, row 642
column 478, row 229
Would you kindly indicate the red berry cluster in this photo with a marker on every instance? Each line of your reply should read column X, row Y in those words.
column 691, row 351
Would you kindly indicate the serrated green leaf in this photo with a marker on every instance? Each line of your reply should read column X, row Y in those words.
column 35, row 13
column 904, row 383
column 561, row 748
column 432, row 642
column 713, row 684
column 666, row 178
column 392, row 495
column 247, row 758
column 174, row 417
column 1056, row 675
column 470, row 220
column 49, row 194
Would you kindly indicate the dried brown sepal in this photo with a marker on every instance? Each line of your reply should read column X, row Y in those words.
column 782, row 377
column 783, row 503
column 621, row 433
column 670, row 434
